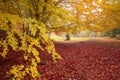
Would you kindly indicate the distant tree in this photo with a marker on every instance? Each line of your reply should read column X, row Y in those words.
column 67, row 37
column 112, row 32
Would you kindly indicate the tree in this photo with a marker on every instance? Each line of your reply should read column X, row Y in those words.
column 112, row 32
column 67, row 37
column 25, row 24
column 96, row 15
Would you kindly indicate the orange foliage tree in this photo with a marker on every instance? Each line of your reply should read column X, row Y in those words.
column 96, row 15
column 25, row 24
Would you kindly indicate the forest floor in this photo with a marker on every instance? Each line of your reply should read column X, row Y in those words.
column 82, row 60
column 85, row 60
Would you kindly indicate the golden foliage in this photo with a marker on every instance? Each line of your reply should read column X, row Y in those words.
column 97, row 15
column 25, row 29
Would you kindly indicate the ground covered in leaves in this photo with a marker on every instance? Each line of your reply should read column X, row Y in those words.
column 86, row 60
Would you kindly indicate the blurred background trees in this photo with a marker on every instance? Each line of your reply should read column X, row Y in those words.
column 112, row 33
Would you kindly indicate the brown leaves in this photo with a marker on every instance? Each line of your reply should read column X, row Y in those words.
column 81, row 61
column 88, row 60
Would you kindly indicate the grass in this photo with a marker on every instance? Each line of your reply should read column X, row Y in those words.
column 76, row 39
column 59, row 38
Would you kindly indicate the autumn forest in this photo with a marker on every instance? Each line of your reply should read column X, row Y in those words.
column 59, row 39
